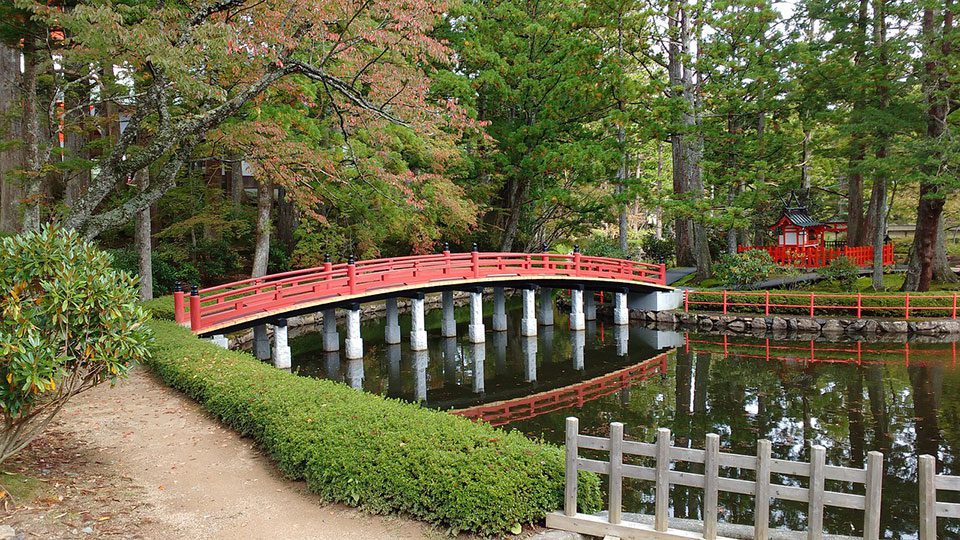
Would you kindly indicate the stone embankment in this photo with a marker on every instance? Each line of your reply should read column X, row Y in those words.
column 751, row 324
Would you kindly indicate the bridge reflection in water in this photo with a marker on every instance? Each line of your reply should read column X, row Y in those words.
column 902, row 399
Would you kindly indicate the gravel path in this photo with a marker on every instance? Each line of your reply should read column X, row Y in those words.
column 150, row 463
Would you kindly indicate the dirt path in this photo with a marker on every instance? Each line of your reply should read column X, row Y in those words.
column 141, row 460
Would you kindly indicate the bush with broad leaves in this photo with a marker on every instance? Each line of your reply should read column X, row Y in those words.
column 70, row 322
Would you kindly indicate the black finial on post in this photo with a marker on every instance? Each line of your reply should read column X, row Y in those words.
column 177, row 286
column 544, row 247
column 351, row 259
column 576, row 248
column 475, row 248
column 326, row 258
column 194, row 290
column 446, row 246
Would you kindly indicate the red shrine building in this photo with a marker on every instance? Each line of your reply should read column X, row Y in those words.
column 806, row 242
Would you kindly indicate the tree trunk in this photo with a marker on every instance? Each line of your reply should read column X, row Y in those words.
column 236, row 180
column 11, row 129
column 930, row 206
column 144, row 240
column 516, row 194
column 856, row 234
column 942, row 271
column 286, row 220
column 659, row 211
column 261, row 253
column 32, row 138
column 878, row 197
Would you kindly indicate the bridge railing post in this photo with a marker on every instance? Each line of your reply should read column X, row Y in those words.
column 475, row 260
column 446, row 258
column 663, row 274
column 576, row 260
column 179, row 313
column 194, row 308
column 352, row 275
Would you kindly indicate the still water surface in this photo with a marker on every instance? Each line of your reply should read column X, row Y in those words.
column 902, row 400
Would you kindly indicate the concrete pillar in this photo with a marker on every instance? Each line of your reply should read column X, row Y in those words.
column 331, row 365
column 528, row 324
column 577, row 342
column 475, row 332
column 448, row 328
column 500, row 347
column 620, row 335
column 331, row 338
column 420, row 361
column 546, row 306
column 221, row 340
column 261, row 342
column 577, row 320
column 418, row 330
column 391, row 333
column 528, row 346
column 355, row 373
column 621, row 314
column 281, row 349
column 479, row 356
column 353, row 343
column 590, row 305
column 499, row 310
column 394, row 382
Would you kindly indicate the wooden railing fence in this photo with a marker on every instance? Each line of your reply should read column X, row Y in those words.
column 930, row 507
column 816, row 496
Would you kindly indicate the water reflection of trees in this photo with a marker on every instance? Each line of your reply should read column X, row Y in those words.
column 899, row 410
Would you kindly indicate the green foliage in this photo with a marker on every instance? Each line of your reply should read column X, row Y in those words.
column 160, row 307
column 843, row 272
column 657, row 250
column 70, row 321
column 363, row 450
column 601, row 245
column 167, row 269
column 740, row 270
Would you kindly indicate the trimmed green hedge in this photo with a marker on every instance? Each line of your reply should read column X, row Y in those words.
column 160, row 307
column 364, row 450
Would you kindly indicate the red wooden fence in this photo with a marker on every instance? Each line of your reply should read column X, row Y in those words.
column 859, row 305
column 513, row 410
column 818, row 256
column 231, row 301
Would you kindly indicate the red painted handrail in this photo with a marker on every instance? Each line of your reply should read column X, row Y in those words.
column 819, row 256
column 818, row 303
column 231, row 301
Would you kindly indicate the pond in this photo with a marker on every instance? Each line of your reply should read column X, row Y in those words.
column 902, row 399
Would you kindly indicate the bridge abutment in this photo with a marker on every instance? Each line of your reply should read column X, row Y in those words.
column 418, row 331
column 354, row 343
column 476, row 330
column 391, row 332
column 281, row 348
column 331, row 338
column 220, row 340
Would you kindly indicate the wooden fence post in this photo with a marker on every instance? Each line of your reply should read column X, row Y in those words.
column 686, row 301
column 724, row 301
column 711, row 473
column 766, row 303
column 859, row 304
column 954, row 305
column 906, row 306
column 662, row 492
column 572, row 453
column 871, row 512
column 811, row 304
column 928, row 497
column 616, row 473
column 195, row 308
column 815, row 506
column 761, row 511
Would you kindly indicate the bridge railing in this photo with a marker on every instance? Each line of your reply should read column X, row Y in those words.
column 716, row 477
column 214, row 305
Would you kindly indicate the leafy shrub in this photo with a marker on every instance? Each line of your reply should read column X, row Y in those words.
column 739, row 270
column 167, row 268
column 364, row 450
column 70, row 322
column 842, row 271
column 657, row 250
column 160, row 307
column 599, row 245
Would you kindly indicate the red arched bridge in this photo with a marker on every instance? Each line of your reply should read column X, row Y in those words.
column 241, row 304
